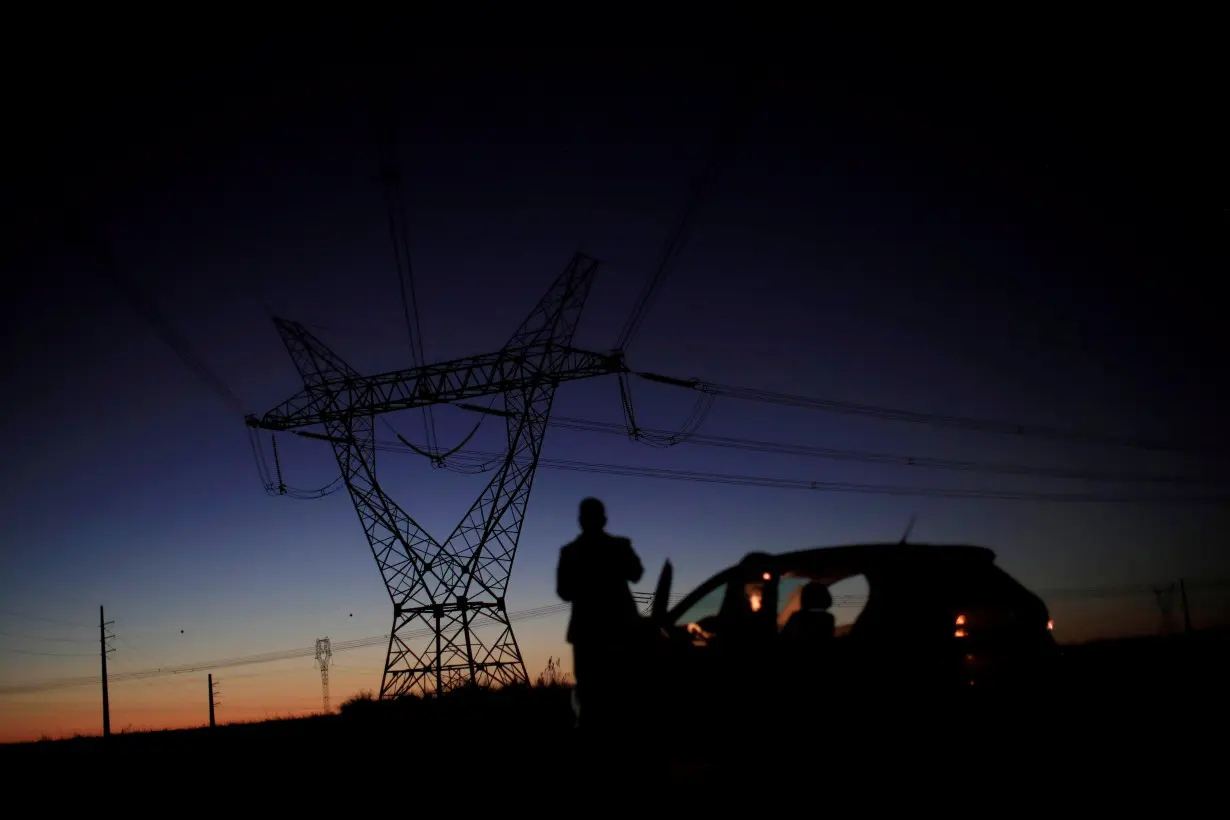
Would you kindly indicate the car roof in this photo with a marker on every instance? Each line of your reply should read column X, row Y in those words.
column 836, row 562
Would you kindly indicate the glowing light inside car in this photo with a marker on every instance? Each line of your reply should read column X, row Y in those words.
column 766, row 576
column 754, row 599
column 960, row 620
column 699, row 636
column 960, row 633
column 1050, row 624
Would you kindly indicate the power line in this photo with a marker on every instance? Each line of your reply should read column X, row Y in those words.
column 28, row 637
column 870, row 457
column 269, row 657
column 1019, row 429
column 49, row 654
column 673, row 246
column 482, row 461
column 56, row 621
column 149, row 311
column 146, row 308
column 399, row 233
column 490, row 459
column 815, row 485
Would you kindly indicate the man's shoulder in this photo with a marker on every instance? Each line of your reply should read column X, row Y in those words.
column 582, row 542
column 610, row 540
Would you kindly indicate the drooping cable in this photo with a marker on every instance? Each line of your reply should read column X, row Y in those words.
column 399, row 233
column 1011, row 428
column 735, row 111
column 660, row 438
column 815, row 485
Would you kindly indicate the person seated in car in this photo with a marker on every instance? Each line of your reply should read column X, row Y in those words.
column 812, row 622
column 803, row 659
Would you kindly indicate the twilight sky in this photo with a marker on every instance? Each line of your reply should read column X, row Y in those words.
column 1032, row 248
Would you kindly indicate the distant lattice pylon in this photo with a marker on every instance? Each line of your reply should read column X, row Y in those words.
column 324, row 653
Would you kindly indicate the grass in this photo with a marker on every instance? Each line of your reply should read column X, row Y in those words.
column 1127, row 690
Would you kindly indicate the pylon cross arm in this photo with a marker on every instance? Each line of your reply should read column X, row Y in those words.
column 458, row 380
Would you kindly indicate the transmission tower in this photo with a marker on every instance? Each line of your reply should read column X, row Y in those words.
column 324, row 653
column 446, row 585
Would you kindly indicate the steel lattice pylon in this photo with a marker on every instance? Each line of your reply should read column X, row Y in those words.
column 446, row 585
column 324, row 654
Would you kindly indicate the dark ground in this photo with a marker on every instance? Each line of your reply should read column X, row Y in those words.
column 1144, row 712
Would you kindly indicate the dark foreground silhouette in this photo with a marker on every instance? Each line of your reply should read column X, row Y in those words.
column 605, row 628
column 1145, row 705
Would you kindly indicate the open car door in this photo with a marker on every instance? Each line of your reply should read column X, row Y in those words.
column 661, row 595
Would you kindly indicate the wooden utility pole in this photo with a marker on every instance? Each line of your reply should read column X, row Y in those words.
column 213, row 701
column 102, row 639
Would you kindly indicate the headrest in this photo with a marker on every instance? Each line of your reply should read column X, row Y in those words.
column 815, row 596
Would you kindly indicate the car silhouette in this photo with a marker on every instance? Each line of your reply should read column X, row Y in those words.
column 898, row 621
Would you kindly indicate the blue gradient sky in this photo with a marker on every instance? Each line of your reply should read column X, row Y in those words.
column 909, row 254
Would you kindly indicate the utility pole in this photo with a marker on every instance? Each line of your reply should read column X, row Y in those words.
column 324, row 652
column 106, row 698
column 1187, row 614
column 439, row 589
column 213, row 700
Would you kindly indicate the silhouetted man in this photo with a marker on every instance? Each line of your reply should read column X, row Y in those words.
column 593, row 574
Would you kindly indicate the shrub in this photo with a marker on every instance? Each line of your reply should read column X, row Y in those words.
column 358, row 703
column 553, row 676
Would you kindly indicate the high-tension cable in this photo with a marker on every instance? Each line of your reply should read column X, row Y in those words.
column 730, row 119
column 93, row 245
column 1012, row 428
column 486, row 461
column 474, row 461
column 399, row 233
column 489, row 460
column 147, row 309
column 688, row 435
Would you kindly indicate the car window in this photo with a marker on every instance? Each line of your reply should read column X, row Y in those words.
column 788, row 589
column 709, row 604
column 849, row 600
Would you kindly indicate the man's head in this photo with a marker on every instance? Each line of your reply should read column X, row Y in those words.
column 593, row 515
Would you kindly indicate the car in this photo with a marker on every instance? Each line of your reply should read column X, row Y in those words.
column 934, row 620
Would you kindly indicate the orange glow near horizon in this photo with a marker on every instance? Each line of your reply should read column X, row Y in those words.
column 292, row 688
column 284, row 689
